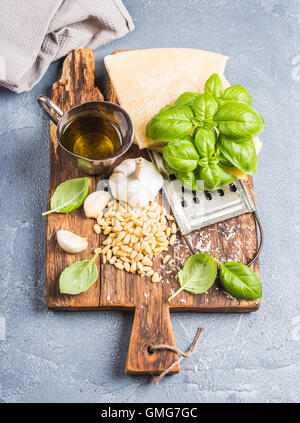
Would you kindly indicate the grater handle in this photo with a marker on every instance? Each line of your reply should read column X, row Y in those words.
column 259, row 229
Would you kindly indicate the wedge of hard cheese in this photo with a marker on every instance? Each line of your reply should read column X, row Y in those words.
column 147, row 80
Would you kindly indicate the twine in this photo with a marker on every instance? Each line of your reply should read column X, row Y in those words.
column 165, row 347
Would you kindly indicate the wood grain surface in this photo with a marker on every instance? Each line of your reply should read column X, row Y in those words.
column 234, row 239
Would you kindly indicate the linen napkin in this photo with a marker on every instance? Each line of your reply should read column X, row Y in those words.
column 33, row 33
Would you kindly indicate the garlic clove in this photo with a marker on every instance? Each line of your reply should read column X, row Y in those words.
column 70, row 242
column 95, row 203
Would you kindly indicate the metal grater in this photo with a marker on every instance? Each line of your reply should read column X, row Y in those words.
column 194, row 210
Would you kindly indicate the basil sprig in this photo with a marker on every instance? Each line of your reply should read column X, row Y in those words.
column 200, row 271
column 240, row 281
column 79, row 277
column 69, row 195
column 217, row 125
column 197, row 275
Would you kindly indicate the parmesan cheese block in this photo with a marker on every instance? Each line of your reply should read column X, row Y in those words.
column 147, row 80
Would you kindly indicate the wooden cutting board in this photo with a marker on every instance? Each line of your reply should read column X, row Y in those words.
column 234, row 239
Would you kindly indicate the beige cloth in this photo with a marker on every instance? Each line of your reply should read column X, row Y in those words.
column 33, row 33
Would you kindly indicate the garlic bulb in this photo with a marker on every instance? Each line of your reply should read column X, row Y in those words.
column 136, row 181
column 95, row 203
column 71, row 243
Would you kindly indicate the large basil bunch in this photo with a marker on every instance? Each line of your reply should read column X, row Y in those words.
column 208, row 134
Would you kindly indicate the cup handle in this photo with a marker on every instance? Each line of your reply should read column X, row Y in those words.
column 46, row 104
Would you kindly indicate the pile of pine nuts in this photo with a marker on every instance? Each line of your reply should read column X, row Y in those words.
column 135, row 236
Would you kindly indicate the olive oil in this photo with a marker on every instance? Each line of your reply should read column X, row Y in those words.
column 91, row 137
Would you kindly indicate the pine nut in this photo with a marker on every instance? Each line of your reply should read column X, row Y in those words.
column 172, row 239
column 140, row 266
column 107, row 241
column 127, row 266
column 117, row 228
column 121, row 253
column 121, row 235
column 97, row 228
column 126, row 239
column 133, row 267
column 166, row 259
column 108, row 255
column 126, row 248
column 105, row 249
column 125, row 259
column 146, row 261
column 155, row 277
column 119, row 266
column 97, row 250
column 146, row 269
column 128, row 225
column 113, row 259
column 133, row 254
column 138, row 257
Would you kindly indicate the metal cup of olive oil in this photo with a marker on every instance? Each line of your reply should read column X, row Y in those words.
column 91, row 136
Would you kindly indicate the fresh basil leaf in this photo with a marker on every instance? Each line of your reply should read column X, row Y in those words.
column 226, row 179
column 79, row 277
column 211, row 174
column 186, row 99
column 240, row 281
column 170, row 124
column 197, row 275
column 69, row 195
column 165, row 109
column 241, row 153
column 238, row 120
column 222, row 159
column 205, row 108
column 236, row 93
column 167, row 167
column 205, row 140
column 187, row 180
column 214, row 86
column 181, row 155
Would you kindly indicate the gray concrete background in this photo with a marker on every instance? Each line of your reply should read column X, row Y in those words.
column 80, row 357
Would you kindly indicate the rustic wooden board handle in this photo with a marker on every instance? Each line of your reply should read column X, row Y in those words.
column 151, row 326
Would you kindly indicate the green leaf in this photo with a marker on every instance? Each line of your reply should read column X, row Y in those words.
column 240, row 281
column 205, row 108
column 236, row 93
column 214, row 86
column 210, row 173
column 165, row 109
column 198, row 274
column 222, row 159
column 168, row 168
column 226, row 178
column 238, row 120
column 205, row 140
column 241, row 153
column 186, row 99
column 181, row 155
column 69, row 195
column 187, row 180
column 78, row 277
column 170, row 124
